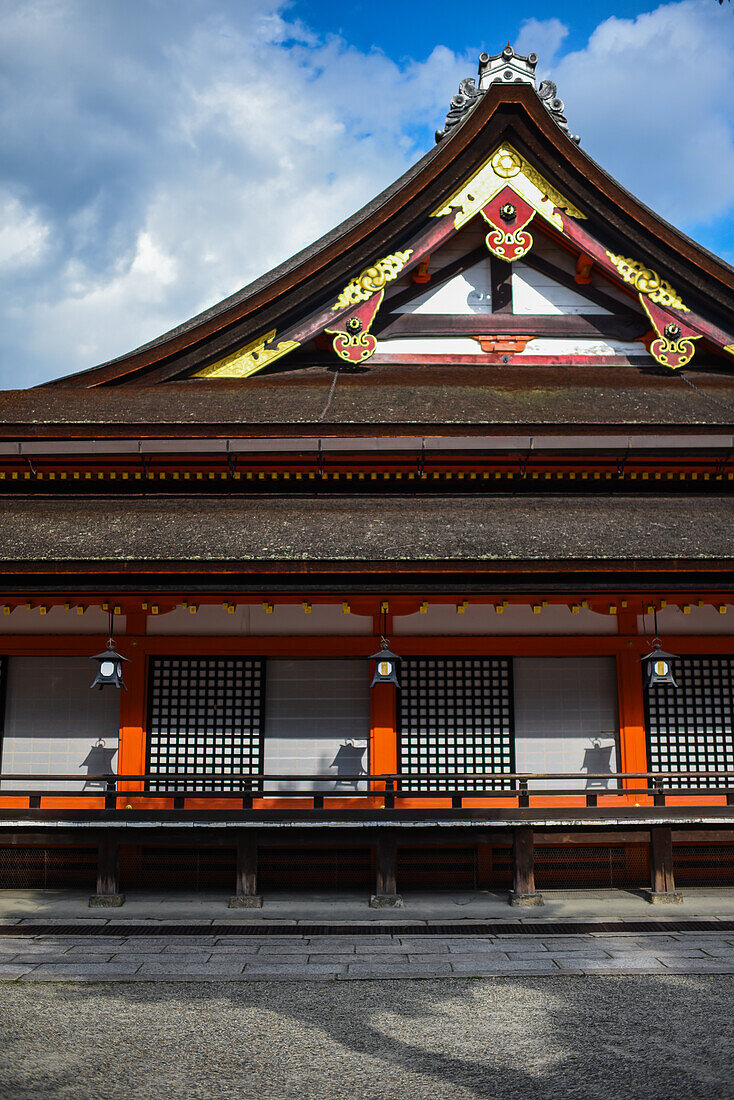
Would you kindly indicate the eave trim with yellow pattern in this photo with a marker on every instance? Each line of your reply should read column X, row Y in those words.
column 249, row 359
column 505, row 166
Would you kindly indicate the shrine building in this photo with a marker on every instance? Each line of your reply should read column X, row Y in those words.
column 418, row 552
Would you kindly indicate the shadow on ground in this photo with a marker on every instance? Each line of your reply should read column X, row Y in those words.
column 623, row 1037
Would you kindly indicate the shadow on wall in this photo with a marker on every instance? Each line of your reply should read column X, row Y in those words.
column 348, row 762
column 98, row 761
column 597, row 759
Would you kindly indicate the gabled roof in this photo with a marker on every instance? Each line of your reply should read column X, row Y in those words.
column 687, row 293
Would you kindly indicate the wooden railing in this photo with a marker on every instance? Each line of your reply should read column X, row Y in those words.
column 381, row 789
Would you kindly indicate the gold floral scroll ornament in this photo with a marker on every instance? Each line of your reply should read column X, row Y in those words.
column 648, row 282
column 353, row 341
column 249, row 359
column 373, row 279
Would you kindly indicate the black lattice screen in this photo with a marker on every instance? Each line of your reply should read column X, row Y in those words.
column 456, row 715
column 691, row 728
column 205, row 715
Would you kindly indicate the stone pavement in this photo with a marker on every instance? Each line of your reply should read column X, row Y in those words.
column 294, row 907
column 150, row 958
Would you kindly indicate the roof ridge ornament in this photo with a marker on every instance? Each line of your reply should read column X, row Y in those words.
column 507, row 67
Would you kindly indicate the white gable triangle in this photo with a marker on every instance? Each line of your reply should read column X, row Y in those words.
column 535, row 293
column 467, row 293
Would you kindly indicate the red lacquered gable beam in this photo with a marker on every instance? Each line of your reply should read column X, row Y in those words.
column 592, row 247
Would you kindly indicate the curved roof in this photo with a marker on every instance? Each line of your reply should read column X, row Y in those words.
column 290, row 290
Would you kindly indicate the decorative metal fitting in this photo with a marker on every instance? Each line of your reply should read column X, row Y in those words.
column 508, row 212
column 672, row 331
column 354, row 324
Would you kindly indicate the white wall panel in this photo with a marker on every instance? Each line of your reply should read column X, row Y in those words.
column 58, row 620
column 252, row 619
column 533, row 292
column 317, row 719
column 54, row 723
column 566, row 717
column 429, row 345
column 549, row 251
column 700, row 620
column 515, row 619
column 552, row 345
column 467, row 293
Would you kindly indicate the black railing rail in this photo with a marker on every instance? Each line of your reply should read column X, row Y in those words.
column 385, row 788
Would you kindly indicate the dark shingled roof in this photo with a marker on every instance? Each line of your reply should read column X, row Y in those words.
column 489, row 528
column 390, row 395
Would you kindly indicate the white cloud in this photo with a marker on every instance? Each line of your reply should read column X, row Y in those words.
column 24, row 237
column 543, row 37
column 175, row 175
column 651, row 98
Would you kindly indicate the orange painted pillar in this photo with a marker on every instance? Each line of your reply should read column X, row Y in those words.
column 632, row 740
column 383, row 729
column 131, row 754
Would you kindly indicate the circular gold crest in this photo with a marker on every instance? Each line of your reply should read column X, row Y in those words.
column 506, row 163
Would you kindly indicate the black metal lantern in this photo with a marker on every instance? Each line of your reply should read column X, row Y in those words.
column 386, row 665
column 659, row 666
column 109, row 664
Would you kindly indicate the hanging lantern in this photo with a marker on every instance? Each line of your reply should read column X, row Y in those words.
column 659, row 666
column 386, row 665
column 109, row 664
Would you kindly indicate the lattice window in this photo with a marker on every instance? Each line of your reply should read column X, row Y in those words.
column 692, row 728
column 456, row 715
column 205, row 715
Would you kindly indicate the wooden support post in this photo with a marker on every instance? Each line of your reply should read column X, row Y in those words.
column 246, row 895
column 662, row 881
column 108, row 894
column 386, row 894
column 523, row 850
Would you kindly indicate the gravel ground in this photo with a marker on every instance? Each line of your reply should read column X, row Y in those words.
column 625, row 1037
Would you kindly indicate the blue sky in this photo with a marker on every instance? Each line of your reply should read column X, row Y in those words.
column 157, row 155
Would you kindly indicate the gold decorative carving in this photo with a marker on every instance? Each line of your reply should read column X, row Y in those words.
column 729, row 348
column 671, row 351
column 507, row 164
column 373, row 279
column 248, row 360
column 647, row 282
column 674, row 346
